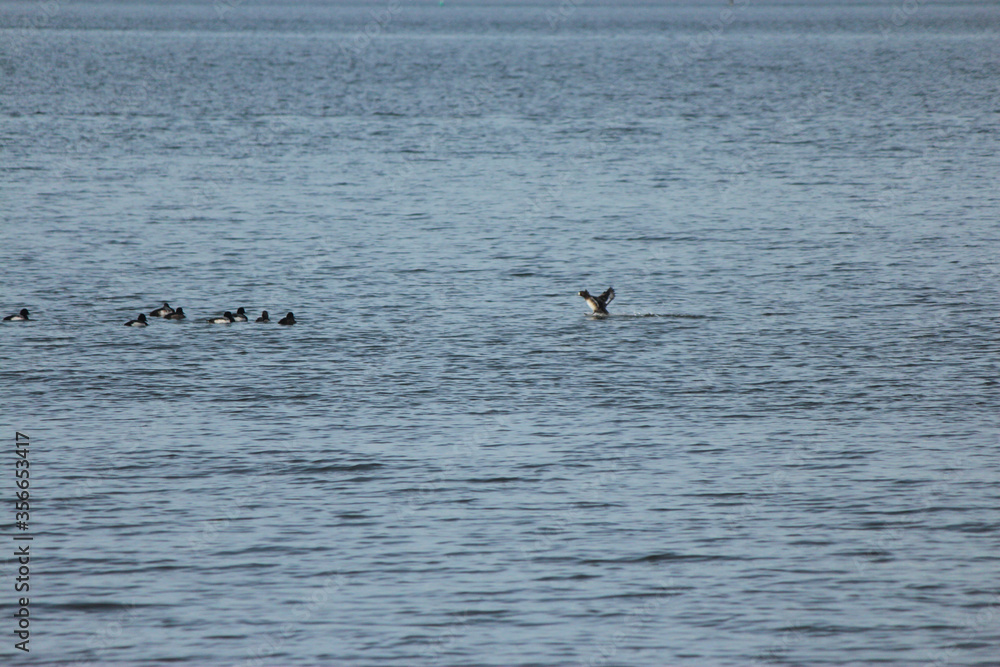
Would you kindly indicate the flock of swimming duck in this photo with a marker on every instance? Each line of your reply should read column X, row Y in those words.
column 168, row 313
column 598, row 304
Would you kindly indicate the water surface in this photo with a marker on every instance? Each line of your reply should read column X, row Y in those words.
column 781, row 448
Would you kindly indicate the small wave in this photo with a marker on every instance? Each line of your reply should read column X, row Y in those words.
column 320, row 467
column 629, row 316
column 661, row 557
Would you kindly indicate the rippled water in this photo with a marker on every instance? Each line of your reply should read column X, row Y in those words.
column 781, row 448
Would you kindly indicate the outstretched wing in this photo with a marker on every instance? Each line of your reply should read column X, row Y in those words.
column 607, row 297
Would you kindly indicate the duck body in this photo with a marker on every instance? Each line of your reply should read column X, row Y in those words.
column 227, row 318
column 18, row 317
column 263, row 317
column 241, row 315
column 138, row 322
column 599, row 303
column 287, row 319
column 163, row 311
column 177, row 315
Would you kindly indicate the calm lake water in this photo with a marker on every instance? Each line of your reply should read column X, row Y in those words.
column 780, row 448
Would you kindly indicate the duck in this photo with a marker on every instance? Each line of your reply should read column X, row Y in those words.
column 263, row 317
column 138, row 322
column 241, row 315
column 599, row 303
column 162, row 312
column 226, row 318
column 287, row 319
column 176, row 315
column 22, row 316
